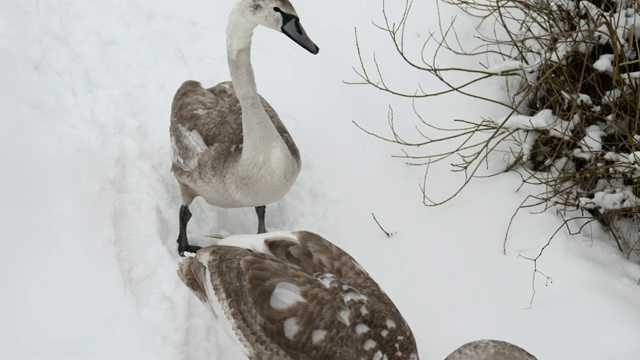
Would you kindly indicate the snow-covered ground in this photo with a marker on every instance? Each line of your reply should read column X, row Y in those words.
column 90, row 209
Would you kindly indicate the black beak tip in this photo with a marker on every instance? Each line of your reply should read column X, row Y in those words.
column 295, row 32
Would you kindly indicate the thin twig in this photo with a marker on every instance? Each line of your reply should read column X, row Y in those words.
column 380, row 226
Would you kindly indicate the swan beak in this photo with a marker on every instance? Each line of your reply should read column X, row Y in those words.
column 294, row 30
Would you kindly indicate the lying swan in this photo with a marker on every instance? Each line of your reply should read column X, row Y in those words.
column 296, row 296
column 490, row 350
column 229, row 145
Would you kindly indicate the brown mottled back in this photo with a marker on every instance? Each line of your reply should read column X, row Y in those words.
column 217, row 116
column 490, row 350
column 343, row 313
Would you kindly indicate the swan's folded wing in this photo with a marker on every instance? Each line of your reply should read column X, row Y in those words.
column 490, row 350
column 202, row 119
column 187, row 146
column 284, row 302
column 275, row 306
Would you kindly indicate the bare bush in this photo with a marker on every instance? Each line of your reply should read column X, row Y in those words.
column 572, row 70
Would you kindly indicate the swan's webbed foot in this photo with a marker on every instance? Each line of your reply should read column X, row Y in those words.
column 183, row 242
column 260, row 210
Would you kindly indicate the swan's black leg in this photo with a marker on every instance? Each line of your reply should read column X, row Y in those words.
column 260, row 210
column 183, row 242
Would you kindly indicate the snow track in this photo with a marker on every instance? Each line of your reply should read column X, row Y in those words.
column 90, row 208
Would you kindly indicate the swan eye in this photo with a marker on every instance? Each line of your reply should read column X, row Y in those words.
column 277, row 9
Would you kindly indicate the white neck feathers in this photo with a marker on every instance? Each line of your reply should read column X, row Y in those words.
column 258, row 130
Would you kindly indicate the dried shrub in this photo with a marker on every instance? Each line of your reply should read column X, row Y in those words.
column 572, row 71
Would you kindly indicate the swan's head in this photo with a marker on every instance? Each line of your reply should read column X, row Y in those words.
column 280, row 15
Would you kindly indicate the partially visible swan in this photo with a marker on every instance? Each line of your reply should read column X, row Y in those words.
column 490, row 350
column 295, row 295
column 229, row 145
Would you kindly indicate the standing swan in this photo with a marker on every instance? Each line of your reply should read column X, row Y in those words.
column 297, row 296
column 229, row 145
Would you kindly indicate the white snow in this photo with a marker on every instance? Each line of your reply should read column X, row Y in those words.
column 611, row 96
column 606, row 200
column 90, row 209
column 604, row 63
column 591, row 142
column 543, row 120
column 505, row 67
column 631, row 76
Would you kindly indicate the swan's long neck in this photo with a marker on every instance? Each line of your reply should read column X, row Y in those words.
column 257, row 128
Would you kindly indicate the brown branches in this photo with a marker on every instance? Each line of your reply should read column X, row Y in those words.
column 388, row 234
column 572, row 126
